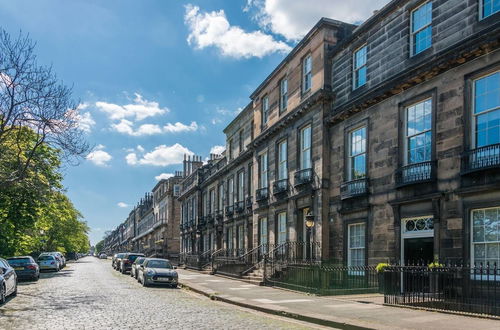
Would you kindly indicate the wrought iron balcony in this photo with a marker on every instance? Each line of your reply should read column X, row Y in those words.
column 354, row 188
column 261, row 194
column 280, row 186
column 229, row 210
column 249, row 202
column 240, row 207
column 303, row 176
column 219, row 215
column 201, row 223
column 481, row 158
column 210, row 219
column 416, row 173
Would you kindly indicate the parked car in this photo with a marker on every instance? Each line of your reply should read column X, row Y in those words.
column 135, row 266
column 158, row 271
column 103, row 256
column 59, row 257
column 72, row 256
column 48, row 262
column 25, row 267
column 127, row 261
column 118, row 260
column 8, row 281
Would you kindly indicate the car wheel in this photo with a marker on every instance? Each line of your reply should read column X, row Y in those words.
column 2, row 295
column 144, row 284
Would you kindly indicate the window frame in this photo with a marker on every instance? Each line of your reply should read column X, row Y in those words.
column 471, row 239
column 240, row 187
column 481, row 11
column 405, row 128
column 306, row 88
column 349, row 264
column 283, row 95
column 473, row 115
column 301, row 149
column 241, row 141
column 230, row 191
column 350, row 157
column 355, row 69
column 220, row 193
column 263, row 171
column 413, row 33
column 265, row 110
column 280, row 161
column 281, row 235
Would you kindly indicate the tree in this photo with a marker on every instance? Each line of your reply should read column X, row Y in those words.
column 32, row 97
column 99, row 246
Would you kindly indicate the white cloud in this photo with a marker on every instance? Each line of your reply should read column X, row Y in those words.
column 179, row 127
column 140, row 148
column 217, row 150
column 293, row 19
column 161, row 156
column 213, row 29
column 99, row 157
column 163, row 176
column 127, row 127
column 122, row 204
column 139, row 109
column 85, row 122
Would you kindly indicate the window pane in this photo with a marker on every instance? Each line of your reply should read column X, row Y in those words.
column 487, row 93
column 359, row 167
column 490, row 7
column 422, row 17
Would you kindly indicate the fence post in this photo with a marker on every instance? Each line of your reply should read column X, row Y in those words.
column 264, row 262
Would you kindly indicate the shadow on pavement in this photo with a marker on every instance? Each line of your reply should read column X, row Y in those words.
column 61, row 273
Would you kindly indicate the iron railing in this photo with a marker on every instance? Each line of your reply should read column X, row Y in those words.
column 249, row 202
column 198, row 261
column 261, row 194
column 280, row 186
column 457, row 288
column 219, row 214
column 416, row 173
column 240, row 207
column 481, row 158
column 354, row 188
column 229, row 210
column 210, row 219
column 303, row 176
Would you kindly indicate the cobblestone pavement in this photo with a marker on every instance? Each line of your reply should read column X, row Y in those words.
column 89, row 294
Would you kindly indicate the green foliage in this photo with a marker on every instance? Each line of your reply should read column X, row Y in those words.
column 35, row 215
column 381, row 267
column 435, row 264
column 99, row 246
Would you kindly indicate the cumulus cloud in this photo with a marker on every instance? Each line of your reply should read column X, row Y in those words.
column 127, row 127
column 163, row 176
column 212, row 29
column 122, row 204
column 161, row 156
column 293, row 19
column 85, row 122
column 218, row 150
column 138, row 110
column 99, row 157
column 180, row 127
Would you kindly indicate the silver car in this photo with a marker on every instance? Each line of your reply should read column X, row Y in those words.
column 157, row 271
column 48, row 262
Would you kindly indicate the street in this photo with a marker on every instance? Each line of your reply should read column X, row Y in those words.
column 89, row 294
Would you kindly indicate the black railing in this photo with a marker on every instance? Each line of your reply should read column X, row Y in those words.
column 240, row 207
column 261, row 194
column 249, row 202
column 481, row 158
column 219, row 214
column 210, row 219
column 229, row 210
column 303, row 176
column 354, row 188
column 198, row 261
column 191, row 224
column 280, row 186
column 471, row 289
column 416, row 173
column 201, row 223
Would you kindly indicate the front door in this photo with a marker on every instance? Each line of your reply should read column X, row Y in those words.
column 419, row 250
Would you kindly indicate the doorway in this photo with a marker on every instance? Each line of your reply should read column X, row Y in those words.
column 418, row 250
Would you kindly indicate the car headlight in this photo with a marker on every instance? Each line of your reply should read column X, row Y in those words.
column 150, row 272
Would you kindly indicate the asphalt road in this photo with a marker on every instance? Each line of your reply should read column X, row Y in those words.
column 89, row 294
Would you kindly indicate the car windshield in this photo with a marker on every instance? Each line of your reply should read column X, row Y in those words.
column 159, row 264
column 19, row 261
column 140, row 260
column 133, row 257
column 43, row 258
column 120, row 255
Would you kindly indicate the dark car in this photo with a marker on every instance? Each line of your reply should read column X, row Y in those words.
column 118, row 260
column 25, row 267
column 158, row 271
column 8, row 281
column 127, row 261
column 135, row 266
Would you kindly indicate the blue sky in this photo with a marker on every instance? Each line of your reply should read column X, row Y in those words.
column 158, row 78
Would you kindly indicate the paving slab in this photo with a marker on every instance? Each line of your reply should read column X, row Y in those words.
column 348, row 312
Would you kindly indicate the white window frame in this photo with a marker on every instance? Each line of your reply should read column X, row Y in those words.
column 472, row 243
column 283, row 160
column 265, row 110
column 351, row 157
column 356, row 69
column 264, row 232
column 407, row 137
column 304, row 150
column 177, row 190
column 413, row 33
column 230, row 191
column 307, row 74
column 282, row 228
column 349, row 249
column 263, row 170
column 221, row 197
column 241, row 237
column 474, row 115
column 481, row 7
column 241, row 186
column 212, row 200
column 283, row 94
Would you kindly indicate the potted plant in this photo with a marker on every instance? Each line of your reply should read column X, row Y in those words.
column 381, row 267
column 434, row 268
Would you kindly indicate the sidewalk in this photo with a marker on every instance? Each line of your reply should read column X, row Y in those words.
column 345, row 312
